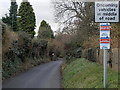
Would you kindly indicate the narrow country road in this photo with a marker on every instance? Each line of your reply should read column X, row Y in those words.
column 43, row 76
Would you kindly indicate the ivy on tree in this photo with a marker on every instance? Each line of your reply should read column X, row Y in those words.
column 27, row 20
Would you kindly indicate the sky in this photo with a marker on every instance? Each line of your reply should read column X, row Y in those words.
column 43, row 11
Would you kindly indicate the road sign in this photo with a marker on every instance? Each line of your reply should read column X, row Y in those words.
column 107, row 11
column 104, row 36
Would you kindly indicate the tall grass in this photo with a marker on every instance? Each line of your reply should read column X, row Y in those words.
column 82, row 73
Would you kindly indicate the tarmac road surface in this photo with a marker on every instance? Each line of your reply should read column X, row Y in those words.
column 43, row 76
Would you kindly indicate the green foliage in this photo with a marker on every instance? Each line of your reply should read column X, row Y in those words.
column 13, row 15
column 44, row 24
column 15, row 50
column 10, row 67
column 45, row 31
column 9, row 43
column 39, row 48
column 19, row 47
column 27, row 20
column 20, row 52
column 12, row 18
column 24, row 45
column 6, row 19
column 81, row 73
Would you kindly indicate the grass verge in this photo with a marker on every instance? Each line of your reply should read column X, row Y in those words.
column 82, row 73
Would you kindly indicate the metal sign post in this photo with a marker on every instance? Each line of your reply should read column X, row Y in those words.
column 105, row 44
column 105, row 68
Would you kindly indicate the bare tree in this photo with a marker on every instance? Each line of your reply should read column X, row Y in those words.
column 76, row 16
column 67, row 10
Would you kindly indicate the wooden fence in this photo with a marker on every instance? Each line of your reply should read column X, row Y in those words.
column 96, row 55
